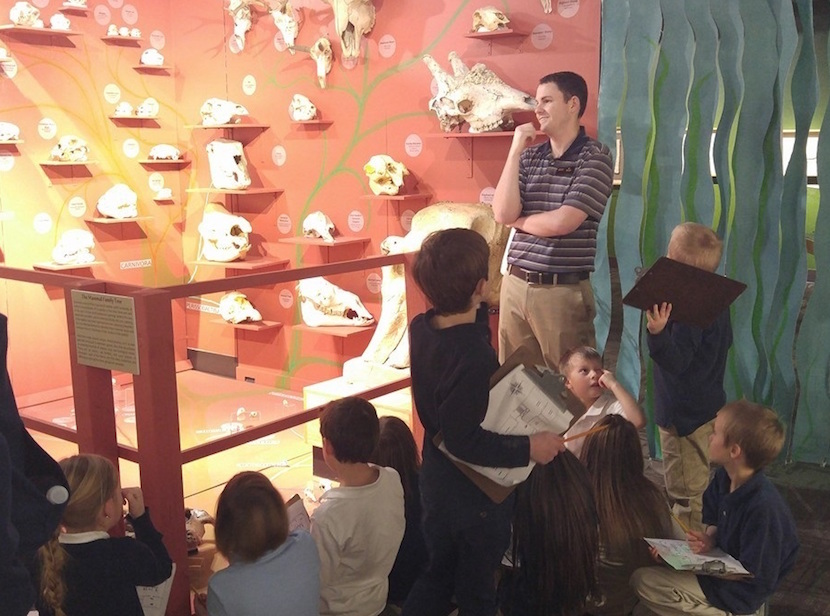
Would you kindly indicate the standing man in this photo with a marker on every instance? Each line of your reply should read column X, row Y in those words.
column 553, row 195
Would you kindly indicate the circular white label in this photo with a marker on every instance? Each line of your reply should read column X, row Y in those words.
column 284, row 223
column 286, row 298
column 42, row 223
column 157, row 39
column 76, row 207
column 486, row 195
column 6, row 161
column 279, row 42
column 47, row 128
column 116, row 4
column 155, row 181
column 9, row 68
column 356, row 221
column 433, row 87
column 102, row 15
column 413, row 145
column 406, row 220
column 41, row 4
column 249, row 84
column 373, row 281
column 233, row 45
column 387, row 46
column 278, row 155
column 129, row 14
column 130, row 148
column 542, row 36
column 567, row 8
column 112, row 93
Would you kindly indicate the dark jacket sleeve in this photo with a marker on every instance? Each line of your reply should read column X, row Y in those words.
column 674, row 348
column 147, row 558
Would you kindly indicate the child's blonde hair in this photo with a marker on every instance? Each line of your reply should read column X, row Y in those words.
column 695, row 244
column 93, row 480
column 756, row 429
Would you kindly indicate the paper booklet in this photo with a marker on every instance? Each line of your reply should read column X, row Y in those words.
column 154, row 599
column 298, row 518
column 678, row 554
column 522, row 402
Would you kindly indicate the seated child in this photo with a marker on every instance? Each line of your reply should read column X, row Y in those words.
column 629, row 507
column 358, row 526
column 397, row 449
column 83, row 570
column 745, row 516
column 598, row 390
column 272, row 572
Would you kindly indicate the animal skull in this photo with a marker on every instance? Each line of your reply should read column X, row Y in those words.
column 217, row 111
column 76, row 3
column 546, row 6
column 352, row 19
column 112, row 30
column 123, row 109
column 70, row 148
column 59, row 21
column 26, row 15
column 164, row 194
column 149, row 108
column 135, row 33
column 74, row 248
column 195, row 520
column 243, row 18
column 489, row 19
column 9, row 131
column 224, row 235
column 228, row 166
column 317, row 224
column 323, row 303
column 385, row 174
column 286, row 22
column 477, row 96
column 301, row 109
column 321, row 53
column 123, row 31
column 163, row 151
column 235, row 307
column 118, row 202
column 152, row 57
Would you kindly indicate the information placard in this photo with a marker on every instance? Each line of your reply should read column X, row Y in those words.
column 105, row 333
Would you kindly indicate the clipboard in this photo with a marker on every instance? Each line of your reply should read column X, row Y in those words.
column 697, row 296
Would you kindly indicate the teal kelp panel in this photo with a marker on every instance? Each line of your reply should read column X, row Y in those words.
column 641, row 51
column 792, row 275
column 811, row 434
column 612, row 82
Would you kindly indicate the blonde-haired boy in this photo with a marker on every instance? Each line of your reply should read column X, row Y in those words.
column 689, row 366
column 745, row 516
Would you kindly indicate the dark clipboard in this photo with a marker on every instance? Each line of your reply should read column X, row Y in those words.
column 697, row 296
column 495, row 491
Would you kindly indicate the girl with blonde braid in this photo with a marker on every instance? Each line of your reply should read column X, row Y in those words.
column 83, row 570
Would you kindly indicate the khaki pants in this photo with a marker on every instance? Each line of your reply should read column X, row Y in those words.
column 667, row 592
column 545, row 319
column 686, row 468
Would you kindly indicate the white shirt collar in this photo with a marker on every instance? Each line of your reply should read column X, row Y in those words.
column 86, row 537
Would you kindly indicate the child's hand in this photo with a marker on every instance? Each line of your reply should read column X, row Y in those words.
column 135, row 501
column 700, row 543
column 544, row 446
column 655, row 554
column 607, row 380
column 657, row 317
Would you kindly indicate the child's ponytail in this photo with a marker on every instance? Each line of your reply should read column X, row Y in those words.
column 52, row 585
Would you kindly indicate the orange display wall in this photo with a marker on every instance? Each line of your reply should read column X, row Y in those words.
column 58, row 83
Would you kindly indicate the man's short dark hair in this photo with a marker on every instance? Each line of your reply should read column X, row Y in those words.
column 570, row 84
column 449, row 267
column 351, row 426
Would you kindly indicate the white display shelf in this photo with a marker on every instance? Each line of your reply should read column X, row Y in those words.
column 496, row 34
column 125, row 41
column 56, row 267
column 67, row 163
column 13, row 30
column 255, row 190
column 406, row 197
column 251, row 326
column 316, row 241
column 11, row 142
column 102, row 220
column 74, row 10
column 150, row 162
column 337, row 331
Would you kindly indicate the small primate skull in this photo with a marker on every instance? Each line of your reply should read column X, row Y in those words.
column 224, row 235
column 164, row 151
column 235, row 307
column 286, row 22
column 321, row 54
column 302, row 109
column 118, row 202
column 123, row 110
column 74, row 248
column 135, row 33
column 353, row 19
column 9, row 131
column 323, row 304
column 26, row 15
column 489, row 19
column 123, row 31
column 148, row 108
column 152, row 57
column 217, row 111
column 70, row 148
column 228, row 166
column 317, row 224
column 59, row 21
column 474, row 95
column 385, row 174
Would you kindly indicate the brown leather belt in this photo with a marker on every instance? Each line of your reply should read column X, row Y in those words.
column 547, row 277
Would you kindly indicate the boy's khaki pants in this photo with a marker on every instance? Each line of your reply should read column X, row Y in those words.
column 686, row 469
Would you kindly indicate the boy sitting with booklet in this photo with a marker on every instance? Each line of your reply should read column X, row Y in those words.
column 745, row 516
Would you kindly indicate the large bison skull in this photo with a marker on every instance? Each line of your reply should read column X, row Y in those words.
column 352, row 19
column 217, row 111
column 74, row 248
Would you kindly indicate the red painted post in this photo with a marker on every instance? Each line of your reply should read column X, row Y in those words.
column 416, row 303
